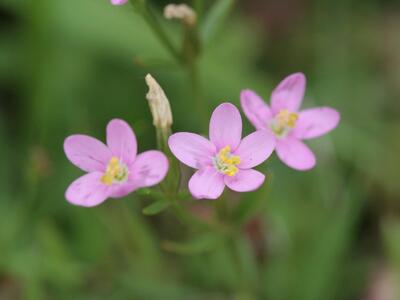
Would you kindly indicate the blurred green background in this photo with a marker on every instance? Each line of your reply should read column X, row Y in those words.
column 331, row 233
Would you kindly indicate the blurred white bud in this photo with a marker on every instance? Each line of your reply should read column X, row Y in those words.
column 181, row 12
column 159, row 104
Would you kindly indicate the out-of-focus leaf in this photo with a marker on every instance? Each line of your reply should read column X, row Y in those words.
column 252, row 202
column 391, row 234
column 214, row 19
column 156, row 208
column 200, row 244
column 246, row 257
column 142, row 286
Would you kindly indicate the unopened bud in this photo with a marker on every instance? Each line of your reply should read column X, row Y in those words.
column 159, row 104
column 181, row 12
column 162, row 120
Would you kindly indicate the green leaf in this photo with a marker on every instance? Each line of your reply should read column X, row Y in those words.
column 252, row 203
column 195, row 246
column 214, row 19
column 247, row 261
column 155, row 208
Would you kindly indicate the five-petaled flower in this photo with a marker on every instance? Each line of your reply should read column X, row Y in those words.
column 289, row 125
column 114, row 170
column 225, row 159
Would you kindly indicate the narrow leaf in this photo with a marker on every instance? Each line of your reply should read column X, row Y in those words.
column 155, row 208
column 214, row 19
column 198, row 245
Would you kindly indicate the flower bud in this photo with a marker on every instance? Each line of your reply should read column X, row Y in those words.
column 162, row 120
column 159, row 104
column 181, row 12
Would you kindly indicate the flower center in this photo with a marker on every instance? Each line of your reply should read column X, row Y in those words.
column 283, row 122
column 116, row 172
column 225, row 162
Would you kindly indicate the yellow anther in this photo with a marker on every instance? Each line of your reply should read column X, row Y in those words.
column 107, row 179
column 231, row 170
column 224, row 152
column 283, row 122
column 115, row 172
column 226, row 163
column 235, row 160
column 114, row 161
column 286, row 118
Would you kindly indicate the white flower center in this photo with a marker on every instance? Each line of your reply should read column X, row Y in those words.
column 225, row 162
column 116, row 172
column 283, row 123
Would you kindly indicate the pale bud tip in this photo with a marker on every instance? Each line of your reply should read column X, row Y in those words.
column 159, row 104
column 180, row 12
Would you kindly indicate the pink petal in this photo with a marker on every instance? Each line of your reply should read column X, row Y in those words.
column 87, row 153
column 118, row 2
column 255, row 148
column 149, row 169
column 295, row 154
column 192, row 149
column 122, row 190
column 207, row 183
column 245, row 180
column 255, row 109
column 88, row 190
column 315, row 122
column 226, row 126
column 289, row 93
column 122, row 141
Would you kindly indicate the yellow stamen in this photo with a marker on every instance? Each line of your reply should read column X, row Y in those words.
column 115, row 172
column 286, row 118
column 283, row 122
column 231, row 170
column 226, row 163
column 107, row 179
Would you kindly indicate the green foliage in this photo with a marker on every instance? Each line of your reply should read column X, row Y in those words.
column 70, row 66
column 215, row 18
column 156, row 207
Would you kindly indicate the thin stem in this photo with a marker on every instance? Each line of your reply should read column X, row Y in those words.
column 188, row 219
column 151, row 20
column 196, row 91
column 199, row 8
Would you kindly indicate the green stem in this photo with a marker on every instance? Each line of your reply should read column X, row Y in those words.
column 151, row 20
column 197, row 96
column 188, row 219
column 199, row 8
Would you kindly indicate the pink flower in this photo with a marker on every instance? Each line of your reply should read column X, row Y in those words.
column 289, row 125
column 118, row 2
column 225, row 159
column 113, row 170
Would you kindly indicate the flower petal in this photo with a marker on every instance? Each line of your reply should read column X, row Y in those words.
column 315, row 122
column 88, row 190
column 255, row 148
column 192, row 149
column 150, row 168
column 207, row 183
column 226, row 126
column 255, row 109
column 87, row 153
column 245, row 180
column 289, row 93
column 122, row 141
column 118, row 2
column 295, row 154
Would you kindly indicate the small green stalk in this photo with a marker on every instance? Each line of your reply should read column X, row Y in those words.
column 149, row 17
column 162, row 121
